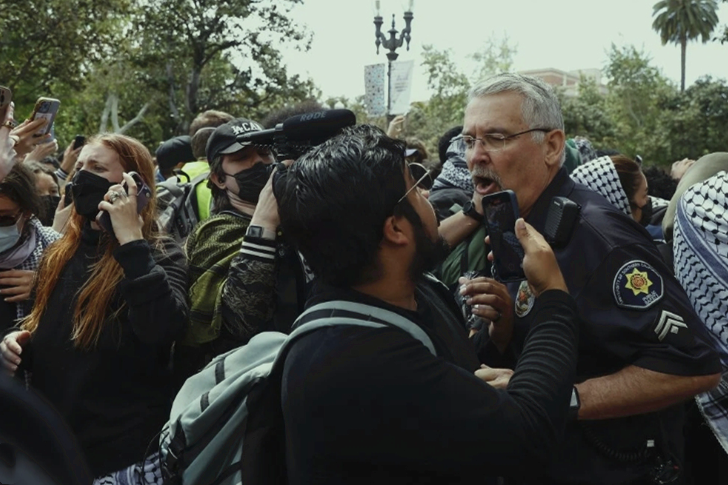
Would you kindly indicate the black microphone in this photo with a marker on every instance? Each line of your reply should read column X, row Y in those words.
column 317, row 127
column 308, row 128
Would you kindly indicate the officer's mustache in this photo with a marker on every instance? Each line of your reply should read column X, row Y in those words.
column 485, row 175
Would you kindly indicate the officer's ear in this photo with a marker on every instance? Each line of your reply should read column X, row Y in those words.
column 555, row 143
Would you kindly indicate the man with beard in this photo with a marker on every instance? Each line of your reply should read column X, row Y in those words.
column 232, row 254
column 642, row 350
column 372, row 404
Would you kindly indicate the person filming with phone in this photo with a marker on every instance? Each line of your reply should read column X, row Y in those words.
column 643, row 350
column 110, row 299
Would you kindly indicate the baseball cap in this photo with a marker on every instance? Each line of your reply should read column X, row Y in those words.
column 173, row 151
column 224, row 139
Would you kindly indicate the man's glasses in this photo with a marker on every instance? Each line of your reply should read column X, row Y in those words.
column 6, row 221
column 419, row 173
column 494, row 142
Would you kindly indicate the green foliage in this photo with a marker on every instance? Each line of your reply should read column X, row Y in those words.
column 496, row 56
column 148, row 67
column 644, row 113
column 445, row 109
column 586, row 114
column 696, row 123
column 636, row 91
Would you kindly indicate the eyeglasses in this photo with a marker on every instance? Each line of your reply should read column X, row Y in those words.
column 416, row 168
column 494, row 142
column 6, row 221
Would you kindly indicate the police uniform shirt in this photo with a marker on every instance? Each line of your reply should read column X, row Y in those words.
column 633, row 312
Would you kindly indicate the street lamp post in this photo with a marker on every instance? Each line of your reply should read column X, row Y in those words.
column 392, row 43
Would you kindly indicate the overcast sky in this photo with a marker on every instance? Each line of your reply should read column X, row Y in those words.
column 564, row 34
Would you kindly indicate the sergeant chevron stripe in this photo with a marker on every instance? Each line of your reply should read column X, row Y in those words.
column 669, row 322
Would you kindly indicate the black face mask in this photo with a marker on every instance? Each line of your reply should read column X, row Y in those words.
column 646, row 213
column 48, row 212
column 88, row 192
column 252, row 180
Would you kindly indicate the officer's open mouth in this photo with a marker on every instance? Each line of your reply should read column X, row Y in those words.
column 485, row 185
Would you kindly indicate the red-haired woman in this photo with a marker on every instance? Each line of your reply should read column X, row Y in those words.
column 107, row 309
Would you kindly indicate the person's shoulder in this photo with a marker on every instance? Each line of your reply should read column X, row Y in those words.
column 602, row 222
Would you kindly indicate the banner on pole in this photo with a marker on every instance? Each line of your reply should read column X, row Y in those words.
column 374, row 89
column 401, row 80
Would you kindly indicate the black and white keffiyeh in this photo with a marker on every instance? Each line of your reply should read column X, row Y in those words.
column 701, row 265
column 601, row 176
column 658, row 203
column 455, row 173
column 43, row 237
column 147, row 472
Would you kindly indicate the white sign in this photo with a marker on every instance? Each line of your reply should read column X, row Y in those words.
column 401, row 83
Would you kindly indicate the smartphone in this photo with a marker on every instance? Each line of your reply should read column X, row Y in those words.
column 501, row 212
column 6, row 96
column 45, row 108
column 68, row 194
column 79, row 141
column 144, row 194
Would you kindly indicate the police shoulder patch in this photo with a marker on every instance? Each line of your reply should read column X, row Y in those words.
column 637, row 286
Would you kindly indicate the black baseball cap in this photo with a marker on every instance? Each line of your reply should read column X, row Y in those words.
column 224, row 139
column 174, row 151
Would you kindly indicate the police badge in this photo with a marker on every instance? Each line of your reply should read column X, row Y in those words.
column 524, row 299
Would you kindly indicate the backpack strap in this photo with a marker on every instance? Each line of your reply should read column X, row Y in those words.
column 339, row 312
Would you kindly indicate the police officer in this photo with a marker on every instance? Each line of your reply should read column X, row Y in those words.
column 642, row 349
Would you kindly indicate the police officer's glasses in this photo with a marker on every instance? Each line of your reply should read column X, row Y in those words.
column 494, row 142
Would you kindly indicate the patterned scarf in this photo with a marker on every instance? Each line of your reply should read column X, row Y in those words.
column 39, row 238
column 586, row 150
column 601, row 176
column 455, row 173
column 701, row 265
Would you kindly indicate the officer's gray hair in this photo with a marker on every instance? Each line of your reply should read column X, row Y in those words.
column 540, row 108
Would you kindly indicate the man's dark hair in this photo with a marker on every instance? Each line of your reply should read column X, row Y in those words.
column 282, row 114
column 630, row 176
column 19, row 186
column 660, row 183
column 220, row 199
column 330, row 212
column 445, row 140
column 207, row 119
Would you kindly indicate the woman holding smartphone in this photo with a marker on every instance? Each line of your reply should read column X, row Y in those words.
column 107, row 309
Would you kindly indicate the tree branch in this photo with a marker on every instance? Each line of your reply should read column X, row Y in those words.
column 134, row 120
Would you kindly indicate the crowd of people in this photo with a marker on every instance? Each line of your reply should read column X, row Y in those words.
column 125, row 273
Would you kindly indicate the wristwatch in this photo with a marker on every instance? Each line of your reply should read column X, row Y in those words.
column 470, row 211
column 574, row 404
column 260, row 232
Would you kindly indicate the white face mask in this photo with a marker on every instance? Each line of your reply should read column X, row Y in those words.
column 9, row 237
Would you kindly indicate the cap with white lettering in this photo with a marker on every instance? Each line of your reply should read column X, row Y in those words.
column 224, row 139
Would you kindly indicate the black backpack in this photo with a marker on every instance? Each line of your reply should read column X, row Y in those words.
column 177, row 213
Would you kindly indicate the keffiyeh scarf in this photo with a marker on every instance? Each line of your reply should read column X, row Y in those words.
column 601, row 176
column 701, row 265
column 455, row 173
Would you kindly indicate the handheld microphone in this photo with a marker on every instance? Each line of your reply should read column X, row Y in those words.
column 304, row 130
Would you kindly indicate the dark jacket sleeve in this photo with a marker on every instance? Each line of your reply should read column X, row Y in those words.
column 155, row 289
column 248, row 295
column 381, row 397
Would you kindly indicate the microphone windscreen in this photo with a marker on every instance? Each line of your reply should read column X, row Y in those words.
column 318, row 126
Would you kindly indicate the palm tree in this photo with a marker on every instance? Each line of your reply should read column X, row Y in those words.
column 679, row 21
